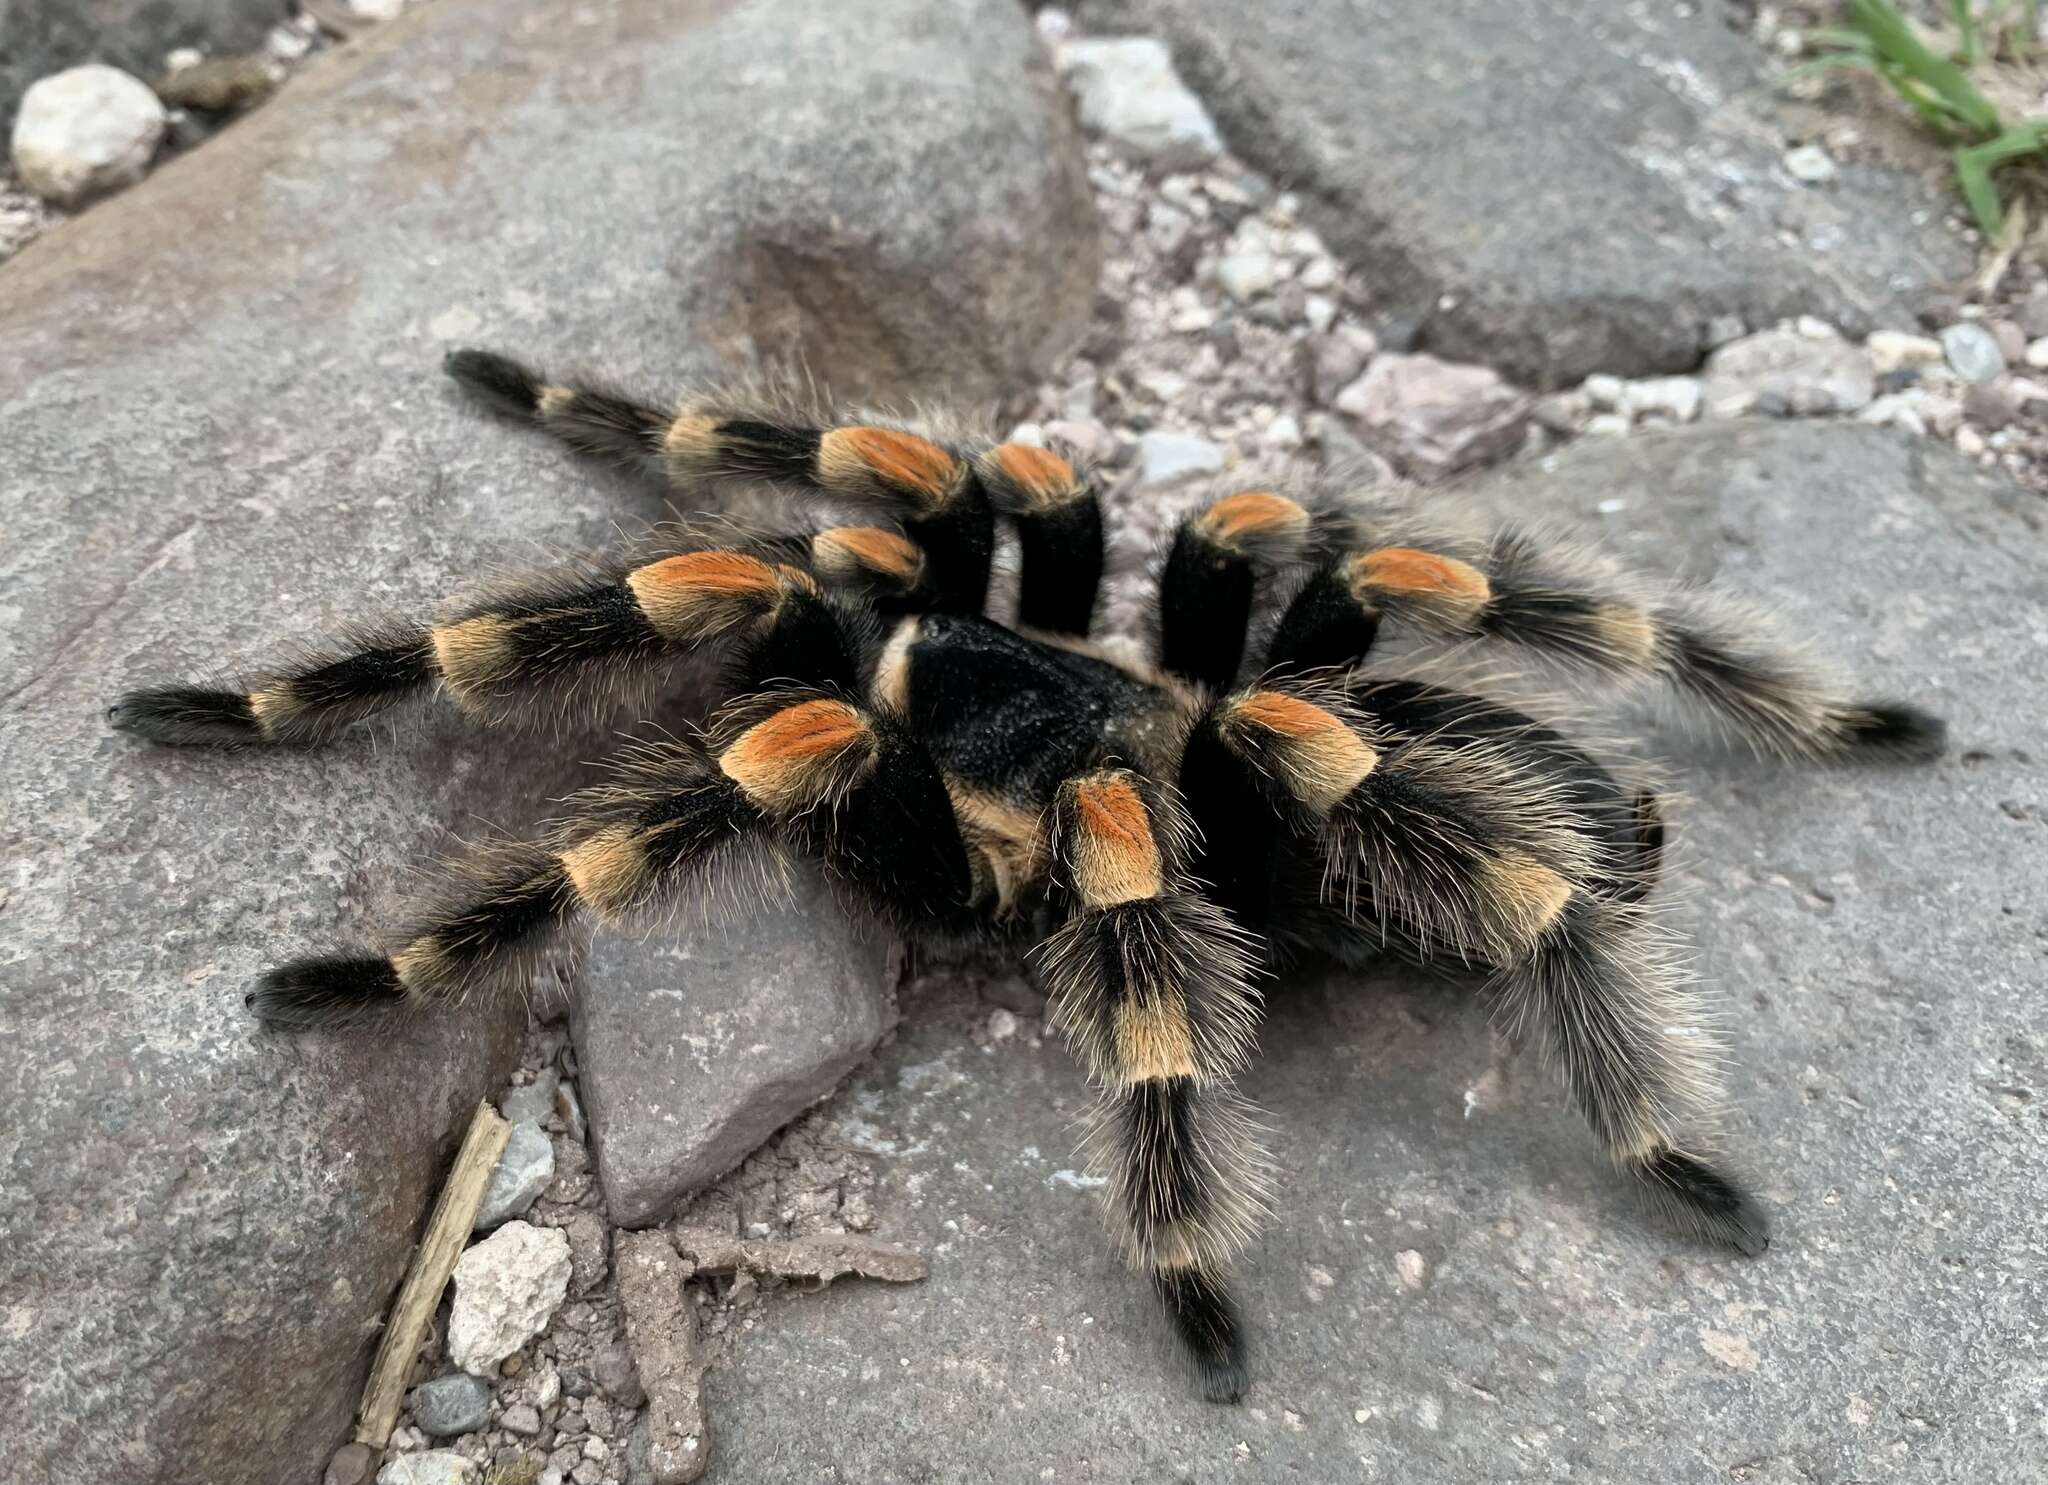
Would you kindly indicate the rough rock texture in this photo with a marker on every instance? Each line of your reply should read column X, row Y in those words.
column 1433, row 417
column 1126, row 90
column 1786, row 371
column 523, row 1172
column 435, row 1467
column 38, row 37
column 84, row 132
column 225, row 428
column 455, row 1404
column 506, row 1288
column 698, row 1043
column 661, row 1328
column 1878, row 935
column 1554, row 187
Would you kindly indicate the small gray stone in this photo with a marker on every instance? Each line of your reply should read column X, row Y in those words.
column 435, row 1467
column 1675, row 397
column 615, row 1372
column 1810, row 163
column 2031, row 314
column 1989, row 407
column 531, row 1103
column 1783, row 371
column 1129, row 93
column 1245, row 276
column 1166, row 457
column 506, row 1287
column 1091, row 444
column 2012, row 341
column 578, row 1383
column 1435, row 417
column 85, row 132
column 522, row 1419
column 352, row 1464
column 1973, row 352
column 569, row 1109
column 523, row 1172
column 1339, row 357
column 455, row 1404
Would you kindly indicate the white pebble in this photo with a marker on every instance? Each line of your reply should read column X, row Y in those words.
column 1810, row 163
column 1892, row 350
column 1604, row 390
column 1410, row 1265
column 1129, row 94
column 2037, row 354
column 178, row 58
column 1320, row 274
column 1245, row 276
column 85, row 132
column 378, row 10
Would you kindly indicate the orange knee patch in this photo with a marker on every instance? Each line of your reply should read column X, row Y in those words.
column 851, row 461
column 846, row 553
column 1316, row 755
column 1114, row 855
column 702, row 593
column 1255, row 522
column 608, row 871
column 1406, row 572
column 1523, row 896
column 1038, row 478
column 793, row 758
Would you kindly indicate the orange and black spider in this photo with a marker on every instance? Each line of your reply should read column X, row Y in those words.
column 1161, row 835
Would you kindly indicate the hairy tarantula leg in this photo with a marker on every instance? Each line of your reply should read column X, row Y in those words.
column 816, row 771
column 1467, row 849
column 1059, row 529
column 1706, row 648
column 931, row 489
column 1151, row 990
column 1205, row 593
column 550, row 636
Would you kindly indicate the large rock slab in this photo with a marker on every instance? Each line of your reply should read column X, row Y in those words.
column 1554, row 187
column 226, row 429
column 699, row 1042
column 1443, row 1298
column 38, row 37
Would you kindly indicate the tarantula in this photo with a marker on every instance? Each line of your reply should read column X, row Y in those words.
column 1163, row 835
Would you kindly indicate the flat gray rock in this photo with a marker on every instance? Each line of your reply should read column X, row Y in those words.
column 697, row 1043
column 1448, row 1299
column 225, row 429
column 1553, row 187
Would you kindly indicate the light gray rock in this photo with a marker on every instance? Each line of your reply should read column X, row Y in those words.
column 434, row 1467
column 1434, row 417
column 1554, row 188
column 1128, row 92
column 86, row 132
column 455, row 1404
column 1782, row 372
column 1245, row 276
column 1876, row 937
column 39, row 37
column 530, row 1103
column 1893, row 350
column 523, row 1172
column 1810, row 163
column 522, row 1419
column 352, row 1464
column 1973, row 352
column 1164, row 458
column 1677, row 398
column 1338, row 358
column 506, row 1288
column 694, row 1046
column 226, row 431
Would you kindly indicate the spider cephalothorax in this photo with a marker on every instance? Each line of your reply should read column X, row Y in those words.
column 1160, row 835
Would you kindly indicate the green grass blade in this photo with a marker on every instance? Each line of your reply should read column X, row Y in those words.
column 1966, row 26
column 1902, row 45
column 1973, row 174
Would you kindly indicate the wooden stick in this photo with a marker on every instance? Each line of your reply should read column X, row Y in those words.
column 447, row 1231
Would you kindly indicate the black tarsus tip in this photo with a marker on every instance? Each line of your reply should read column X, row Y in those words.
column 1206, row 1320
column 325, row 992
column 499, row 379
column 1705, row 1202
column 184, row 715
column 1897, row 730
